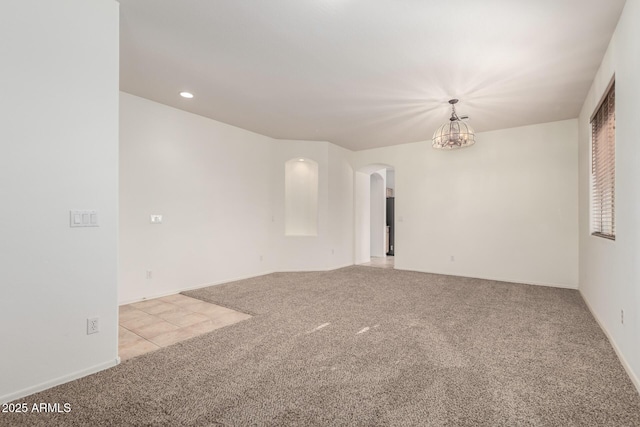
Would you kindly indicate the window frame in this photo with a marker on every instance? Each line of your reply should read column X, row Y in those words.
column 602, row 174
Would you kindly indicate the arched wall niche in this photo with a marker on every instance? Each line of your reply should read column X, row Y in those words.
column 301, row 197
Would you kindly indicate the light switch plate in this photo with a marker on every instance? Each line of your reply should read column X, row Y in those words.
column 83, row 218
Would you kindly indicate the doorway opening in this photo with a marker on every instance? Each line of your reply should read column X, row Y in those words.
column 375, row 216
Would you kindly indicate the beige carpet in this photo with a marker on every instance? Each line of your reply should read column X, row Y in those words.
column 367, row 346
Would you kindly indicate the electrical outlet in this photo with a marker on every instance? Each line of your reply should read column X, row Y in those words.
column 452, row 259
column 333, row 252
column 93, row 326
column 622, row 316
column 149, row 274
column 261, row 258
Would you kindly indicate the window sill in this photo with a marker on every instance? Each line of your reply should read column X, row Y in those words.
column 605, row 236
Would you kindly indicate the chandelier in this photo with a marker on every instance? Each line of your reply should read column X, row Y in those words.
column 455, row 133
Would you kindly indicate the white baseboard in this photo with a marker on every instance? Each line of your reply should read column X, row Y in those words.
column 233, row 279
column 191, row 288
column 623, row 361
column 58, row 381
column 309, row 270
column 302, row 270
column 337, row 267
column 498, row 279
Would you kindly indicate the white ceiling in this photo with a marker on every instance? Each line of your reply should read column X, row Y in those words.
column 365, row 73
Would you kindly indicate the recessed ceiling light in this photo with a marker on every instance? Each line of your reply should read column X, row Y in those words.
column 187, row 95
column 301, row 160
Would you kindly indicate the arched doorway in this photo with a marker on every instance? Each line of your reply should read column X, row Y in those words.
column 374, row 215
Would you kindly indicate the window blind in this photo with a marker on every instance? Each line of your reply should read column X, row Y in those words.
column 603, row 168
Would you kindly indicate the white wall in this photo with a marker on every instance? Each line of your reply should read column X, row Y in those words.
column 378, row 209
column 221, row 192
column 333, row 246
column 362, row 225
column 609, row 275
column 59, row 152
column 340, row 209
column 391, row 179
column 209, row 180
column 298, row 253
column 506, row 208
column 301, row 197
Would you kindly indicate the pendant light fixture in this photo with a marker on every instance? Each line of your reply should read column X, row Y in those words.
column 455, row 133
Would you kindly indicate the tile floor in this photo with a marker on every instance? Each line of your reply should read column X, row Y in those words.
column 380, row 262
column 149, row 325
